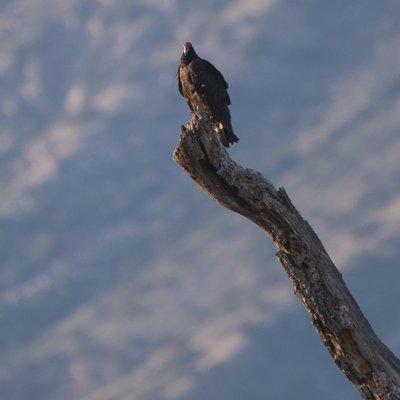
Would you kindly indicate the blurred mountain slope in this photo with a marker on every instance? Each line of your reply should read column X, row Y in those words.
column 120, row 279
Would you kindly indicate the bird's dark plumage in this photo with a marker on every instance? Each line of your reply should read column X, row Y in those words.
column 203, row 86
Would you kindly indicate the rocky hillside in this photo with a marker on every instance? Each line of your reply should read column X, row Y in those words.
column 120, row 280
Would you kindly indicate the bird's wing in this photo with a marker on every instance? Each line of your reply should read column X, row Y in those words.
column 179, row 81
column 210, row 84
column 215, row 71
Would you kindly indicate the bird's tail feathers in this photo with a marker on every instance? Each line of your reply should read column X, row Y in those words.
column 226, row 134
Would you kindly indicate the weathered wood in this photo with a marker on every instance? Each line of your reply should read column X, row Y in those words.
column 343, row 328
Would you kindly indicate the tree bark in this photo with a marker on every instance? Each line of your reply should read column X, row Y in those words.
column 343, row 328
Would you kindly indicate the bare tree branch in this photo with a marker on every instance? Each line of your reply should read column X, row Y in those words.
column 343, row 328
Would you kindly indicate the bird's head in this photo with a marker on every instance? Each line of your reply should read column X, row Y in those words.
column 188, row 54
column 187, row 47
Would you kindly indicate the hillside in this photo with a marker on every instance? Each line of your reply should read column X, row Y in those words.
column 106, row 292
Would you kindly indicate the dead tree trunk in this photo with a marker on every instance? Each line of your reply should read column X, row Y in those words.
column 343, row 328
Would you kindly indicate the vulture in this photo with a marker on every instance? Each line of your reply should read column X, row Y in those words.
column 204, row 88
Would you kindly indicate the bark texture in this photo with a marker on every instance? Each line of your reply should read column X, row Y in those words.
column 343, row 328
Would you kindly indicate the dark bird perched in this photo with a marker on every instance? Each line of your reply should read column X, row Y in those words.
column 204, row 88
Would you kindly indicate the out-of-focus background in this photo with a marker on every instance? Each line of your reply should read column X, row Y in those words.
column 119, row 279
